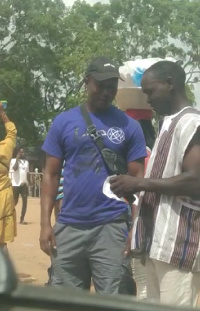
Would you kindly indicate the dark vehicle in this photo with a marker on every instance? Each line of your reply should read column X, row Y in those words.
column 14, row 297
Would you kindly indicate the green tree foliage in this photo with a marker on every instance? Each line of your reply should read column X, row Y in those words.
column 29, row 61
column 45, row 48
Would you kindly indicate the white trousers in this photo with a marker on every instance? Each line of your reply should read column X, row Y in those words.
column 140, row 278
column 169, row 285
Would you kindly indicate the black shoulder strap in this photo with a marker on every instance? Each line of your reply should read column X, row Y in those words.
column 86, row 116
column 91, row 128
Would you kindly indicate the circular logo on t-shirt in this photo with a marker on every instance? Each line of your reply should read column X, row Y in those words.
column 116, row 135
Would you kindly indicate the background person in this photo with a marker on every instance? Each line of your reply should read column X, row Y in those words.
column 19, row 174
column 7, row 205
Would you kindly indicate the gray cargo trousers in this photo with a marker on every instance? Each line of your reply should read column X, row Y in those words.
column 82, row 254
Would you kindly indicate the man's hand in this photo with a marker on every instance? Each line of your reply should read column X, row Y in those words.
column 124, row 185
column 3, row 115
column 47, row 240
column 128, row 244
column 18, row 155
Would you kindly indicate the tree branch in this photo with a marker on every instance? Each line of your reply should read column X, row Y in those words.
column 10, row 87
column 6, row 44
column 189, row 61
column 193, row 72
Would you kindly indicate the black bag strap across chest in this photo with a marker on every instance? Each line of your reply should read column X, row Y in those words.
column 91, row 128
column 114, row 163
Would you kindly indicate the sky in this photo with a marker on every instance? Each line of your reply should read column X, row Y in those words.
column 197, row 86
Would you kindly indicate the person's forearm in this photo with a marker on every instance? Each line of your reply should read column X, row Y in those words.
column 49, row 191
column 4, row 117
column 186, row 184
column 16, row 165
column 11, row 131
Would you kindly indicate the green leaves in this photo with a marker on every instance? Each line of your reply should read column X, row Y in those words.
column 45, row 48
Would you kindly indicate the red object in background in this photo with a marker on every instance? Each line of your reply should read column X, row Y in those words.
column 140, row 114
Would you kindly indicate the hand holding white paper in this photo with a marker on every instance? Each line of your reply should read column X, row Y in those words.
column 107, row 191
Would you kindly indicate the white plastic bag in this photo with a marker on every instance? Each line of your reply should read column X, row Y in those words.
column 129, row 94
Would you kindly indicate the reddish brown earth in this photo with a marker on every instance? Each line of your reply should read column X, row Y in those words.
column 30, row 262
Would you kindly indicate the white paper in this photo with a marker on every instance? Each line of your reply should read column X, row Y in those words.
column 107, row 191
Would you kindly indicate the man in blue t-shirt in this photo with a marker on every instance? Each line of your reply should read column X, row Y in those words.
column 90, row 234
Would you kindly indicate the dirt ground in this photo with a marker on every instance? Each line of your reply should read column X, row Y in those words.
column 30, row 262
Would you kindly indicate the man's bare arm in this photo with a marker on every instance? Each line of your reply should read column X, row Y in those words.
column 16, row 165
column 185, row 184
column 136, row 168
column 50, row 184
column 48, row 195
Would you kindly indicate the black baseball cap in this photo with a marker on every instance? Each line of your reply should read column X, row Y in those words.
column 102, row 68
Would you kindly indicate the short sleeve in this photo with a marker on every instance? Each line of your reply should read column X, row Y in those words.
column 185, row 131
column 136, row 148
column 53, row 141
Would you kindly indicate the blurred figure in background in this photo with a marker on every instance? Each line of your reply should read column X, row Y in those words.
column 7, row 205
column 144, row 117
column 60, row 194
column 19, row 174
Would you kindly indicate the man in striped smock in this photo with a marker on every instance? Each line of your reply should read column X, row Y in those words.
column 167, row 230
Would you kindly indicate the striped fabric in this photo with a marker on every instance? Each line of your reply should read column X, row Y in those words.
column 167, row 227
column 60, row 193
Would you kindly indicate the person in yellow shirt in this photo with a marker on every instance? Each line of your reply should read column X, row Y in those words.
column 7, row 205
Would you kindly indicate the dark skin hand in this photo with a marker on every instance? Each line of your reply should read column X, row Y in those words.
column 185, row 184
column 3, row 115
column 49, row 190
column 135, row 169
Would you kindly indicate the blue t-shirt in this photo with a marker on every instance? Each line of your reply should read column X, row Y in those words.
column 84, row 172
